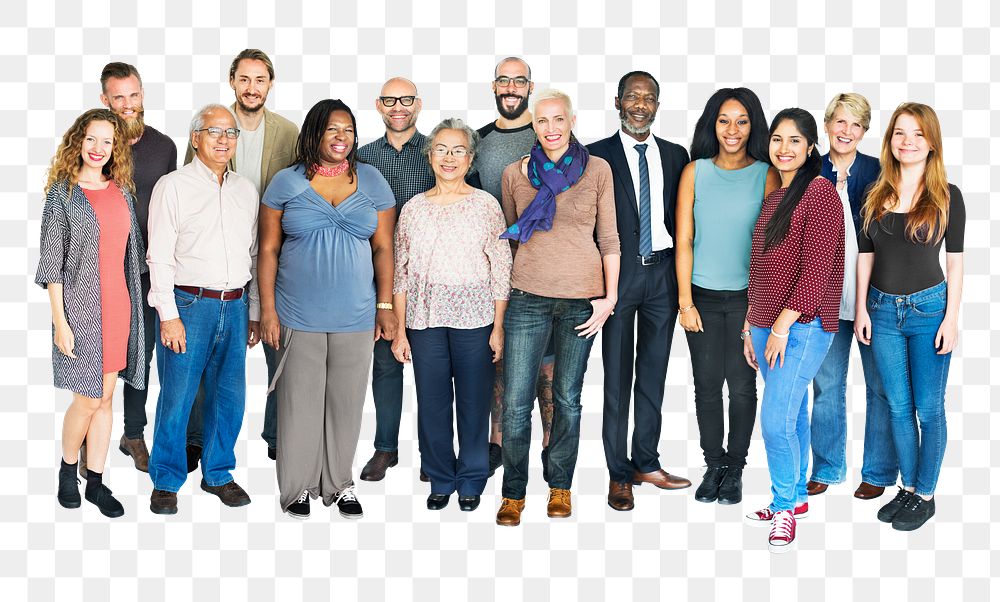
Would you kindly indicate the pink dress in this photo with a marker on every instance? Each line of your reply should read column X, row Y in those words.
column 114, row 223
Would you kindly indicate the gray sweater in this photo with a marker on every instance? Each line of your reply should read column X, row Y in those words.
column 497, row 149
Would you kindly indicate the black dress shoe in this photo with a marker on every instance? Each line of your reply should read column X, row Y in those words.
column 272, row 453
column 496, row 458
column 437, row 501
column 708, row 491
column 731, row 489
column 468, row 503
column 193, row 455
column 914, row 514
column 101, row 497
column 69, row 486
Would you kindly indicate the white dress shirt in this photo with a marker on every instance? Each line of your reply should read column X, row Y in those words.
column 202, row 234
column 658, row 229
column 847, row 297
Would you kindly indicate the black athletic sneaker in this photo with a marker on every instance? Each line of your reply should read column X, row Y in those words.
column 888, row 512
column 299, row 508
column 913, row 514
column 69, row 486
column 101, row 497
column 348, row 504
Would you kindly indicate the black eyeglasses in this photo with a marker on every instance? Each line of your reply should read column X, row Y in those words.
column 519, row 81
column 390, row 101
column 218, row 132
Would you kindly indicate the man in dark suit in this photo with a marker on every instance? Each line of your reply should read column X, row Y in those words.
column 646, row 172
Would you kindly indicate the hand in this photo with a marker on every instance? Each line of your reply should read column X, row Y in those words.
column 496, row 343
column 863, row 327
column 691, row 320
column 270, row 328
column 401, row 349
column 172, row 335
column 602, row 310
column 774, row 349
column 253, row 336
column 749, row 353
column 385, row 324
column 947, row 337
column 64, row 340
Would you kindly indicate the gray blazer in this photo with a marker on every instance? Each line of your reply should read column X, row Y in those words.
column 68, row 254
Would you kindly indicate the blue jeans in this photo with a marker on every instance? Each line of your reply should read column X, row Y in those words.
column 784, row 408
column 387, row 391
column 216, row 334
column 914, row 376
column 453, row 371
column 829, row 417
column 529, row 321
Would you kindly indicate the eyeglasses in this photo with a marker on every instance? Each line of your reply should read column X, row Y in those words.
column 519, row 81
column 459, row 152
column 390, row 101
column 215, row 132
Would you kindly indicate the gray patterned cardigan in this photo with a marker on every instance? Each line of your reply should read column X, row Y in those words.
column 68, row 254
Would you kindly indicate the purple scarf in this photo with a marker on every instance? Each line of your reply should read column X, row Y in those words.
column 550, row 178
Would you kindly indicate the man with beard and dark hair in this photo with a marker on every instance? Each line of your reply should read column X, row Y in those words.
column 153, row 155
column 501, row 143
column 646, row 172
column 266, row 146
column 399, row 156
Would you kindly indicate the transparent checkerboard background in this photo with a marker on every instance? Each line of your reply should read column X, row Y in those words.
column 790, row 53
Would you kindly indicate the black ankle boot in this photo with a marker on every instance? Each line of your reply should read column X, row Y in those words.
column 69, row 490
column 708, row 491
column 731, row 489
column 99, row 495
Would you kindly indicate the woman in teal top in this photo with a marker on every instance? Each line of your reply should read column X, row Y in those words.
column 718, row 202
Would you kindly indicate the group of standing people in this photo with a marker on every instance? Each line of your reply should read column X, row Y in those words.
column 490, row 259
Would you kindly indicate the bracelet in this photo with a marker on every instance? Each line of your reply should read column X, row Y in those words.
column 686, row 308
column 780, row 336
column 384, row 306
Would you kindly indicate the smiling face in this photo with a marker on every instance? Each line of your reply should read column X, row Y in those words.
column 98, row 142
column 450, row 168
column 788, row 148
column 553, row 125
column 908, row 144
column 512, row 101
column 844, row 130
column 215, row 152
column 732, row 127
column 124, row 97
column 637, row 105
column 338, row 139
column 398, row 118
column 251, row 83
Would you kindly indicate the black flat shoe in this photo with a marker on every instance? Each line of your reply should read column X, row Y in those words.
column 68, row 493
column 468, row 503
column 437, row 501
column 913, row 514
column 101, row 497
column 888, row 512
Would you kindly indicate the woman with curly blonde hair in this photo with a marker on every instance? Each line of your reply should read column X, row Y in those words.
column 90, row 258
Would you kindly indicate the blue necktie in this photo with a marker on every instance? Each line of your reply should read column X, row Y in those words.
column 645, row 231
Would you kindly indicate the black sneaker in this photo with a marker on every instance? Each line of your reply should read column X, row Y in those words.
column 708, row 491
column 299, row 508
column 193, row 455
column 68, row 493
column 731, row 489
column 888, row 512
column 101, row 497
column 348, row 504
column 913, row 514
column 496, row 458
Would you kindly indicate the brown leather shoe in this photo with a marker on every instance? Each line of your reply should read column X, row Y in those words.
column 82, row 460
column 660, row 478
column 814, row 488
column 231, row 494
column 381, row 461
column 560, row 503
column 163, row 502
column 509, row 514
column 620, row 496
column 135, row 449
column 867, row 491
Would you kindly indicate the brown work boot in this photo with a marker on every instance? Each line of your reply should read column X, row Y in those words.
column 380, row 462
column 231, row 494
column 620, row 496
column 163, row 502
column 660, row 478
column 509, row 514
column 135, row 449
column 560, row 505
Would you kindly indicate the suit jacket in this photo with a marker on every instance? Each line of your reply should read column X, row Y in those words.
column 864, row 172
column 673, row 157
column 280, row 137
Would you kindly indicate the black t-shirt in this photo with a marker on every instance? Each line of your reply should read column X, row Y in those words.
column 903, row 267
column 153, row 156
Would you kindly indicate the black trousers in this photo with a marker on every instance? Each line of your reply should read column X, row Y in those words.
column 648, row 300
column 717, row 358
column 135, row 399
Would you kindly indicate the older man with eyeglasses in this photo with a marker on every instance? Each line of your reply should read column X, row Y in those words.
column 202, row 261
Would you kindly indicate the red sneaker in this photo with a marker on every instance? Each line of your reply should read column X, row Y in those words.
column 762, row 518
column 782, row 537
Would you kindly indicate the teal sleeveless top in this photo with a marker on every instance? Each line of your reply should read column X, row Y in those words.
column 726, row 206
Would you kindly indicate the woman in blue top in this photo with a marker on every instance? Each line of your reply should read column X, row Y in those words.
column 718, row 201
column 325, row 275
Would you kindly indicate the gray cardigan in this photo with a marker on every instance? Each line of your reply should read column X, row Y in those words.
column 68, row 254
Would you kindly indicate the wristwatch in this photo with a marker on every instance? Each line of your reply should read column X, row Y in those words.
column 744, row 334
column 384, row 306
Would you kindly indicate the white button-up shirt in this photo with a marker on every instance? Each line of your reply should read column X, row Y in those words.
column 202, row 234
column 658, row 229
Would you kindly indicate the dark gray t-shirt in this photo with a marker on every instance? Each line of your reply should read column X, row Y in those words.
column 499, row 148
column 153, row 156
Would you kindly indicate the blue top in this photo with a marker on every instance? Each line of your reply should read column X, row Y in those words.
column 862, row 173
column 325, row 281
column 726, row 205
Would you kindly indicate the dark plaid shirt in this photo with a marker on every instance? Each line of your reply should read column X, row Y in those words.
column 406, row 170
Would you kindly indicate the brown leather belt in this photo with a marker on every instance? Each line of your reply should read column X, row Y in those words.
column 229, row 295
